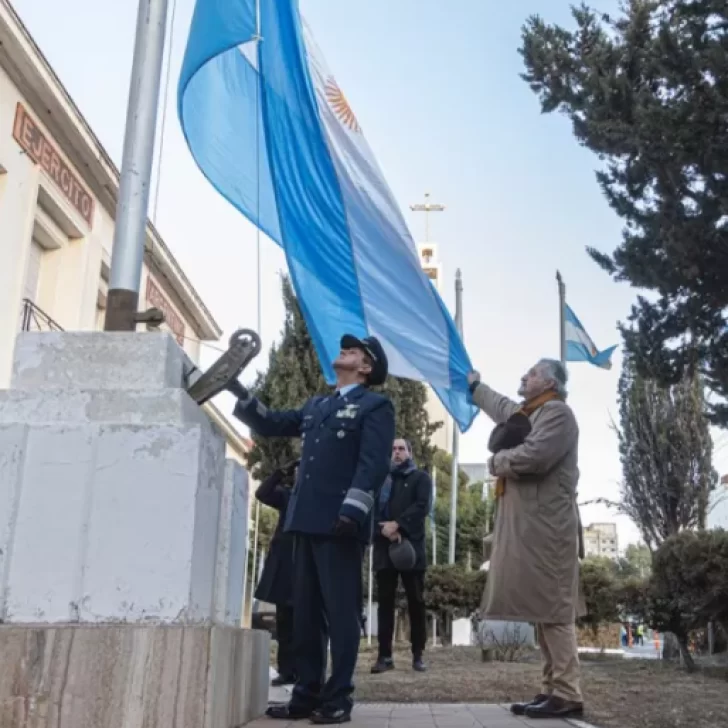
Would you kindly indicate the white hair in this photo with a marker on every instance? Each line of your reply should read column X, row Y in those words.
column 555, row 370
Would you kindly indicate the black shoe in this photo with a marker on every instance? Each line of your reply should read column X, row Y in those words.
column 383, row 664
column 282, row 680
column 418, row 665
column 287, row 711
column 330, row 716
column 520, row 708
column 556, row 708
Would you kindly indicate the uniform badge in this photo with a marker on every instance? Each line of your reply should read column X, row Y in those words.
column 348, row 413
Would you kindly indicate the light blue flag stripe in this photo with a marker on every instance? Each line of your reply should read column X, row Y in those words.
column 313, row 186
column 579, row 345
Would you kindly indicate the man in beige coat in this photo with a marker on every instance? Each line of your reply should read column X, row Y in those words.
column 534, row 565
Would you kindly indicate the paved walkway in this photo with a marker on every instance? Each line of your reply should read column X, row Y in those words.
column 401, row 715
column 431, row 716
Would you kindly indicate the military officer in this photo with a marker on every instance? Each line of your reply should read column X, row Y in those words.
column 345, row 452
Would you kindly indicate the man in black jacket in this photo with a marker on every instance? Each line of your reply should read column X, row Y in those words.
column 276, row 581
column 404, row 502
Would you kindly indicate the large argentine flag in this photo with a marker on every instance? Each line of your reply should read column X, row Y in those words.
column 579, row 345
column 272, row 131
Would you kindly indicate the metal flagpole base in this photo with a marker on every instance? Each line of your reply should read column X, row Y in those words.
column 244, row 346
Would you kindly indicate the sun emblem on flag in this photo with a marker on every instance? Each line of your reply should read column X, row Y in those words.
column 340, row 106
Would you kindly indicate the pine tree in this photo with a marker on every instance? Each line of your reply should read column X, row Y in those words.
column 666, row 453
column 648, row 93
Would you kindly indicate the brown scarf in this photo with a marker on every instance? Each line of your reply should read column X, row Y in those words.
column 527, row 409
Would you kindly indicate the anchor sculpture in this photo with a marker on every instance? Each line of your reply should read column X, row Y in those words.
column 244, row 345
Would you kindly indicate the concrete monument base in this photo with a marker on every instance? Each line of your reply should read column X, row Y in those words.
column 122, row 544
column 125, row 676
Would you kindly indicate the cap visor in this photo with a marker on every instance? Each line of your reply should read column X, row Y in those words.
column 351, row 342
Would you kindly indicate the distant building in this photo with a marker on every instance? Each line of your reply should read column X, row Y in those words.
column 600, row 539
column 432, row 267
column 478, row 473
column 718, row 514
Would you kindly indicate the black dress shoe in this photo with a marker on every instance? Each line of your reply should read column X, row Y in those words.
column 283, row 680
column 520, row 708
column 287, row 711
column 330, row 716
column 383, row 664
column 555, row 707
column 418, row 665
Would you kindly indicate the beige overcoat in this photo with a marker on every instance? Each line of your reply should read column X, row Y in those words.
column 534, row 564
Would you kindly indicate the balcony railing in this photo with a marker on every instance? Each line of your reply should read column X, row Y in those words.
column 36, row 319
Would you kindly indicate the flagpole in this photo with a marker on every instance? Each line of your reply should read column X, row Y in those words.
column 434, row 544
column 562, row 348
column 130, row 230
column 432, row 516
column 455, row 431
column 370, row 598
column 562, row 318
column 257, row 39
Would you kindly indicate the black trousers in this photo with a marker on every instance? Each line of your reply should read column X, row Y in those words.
column 284, row 633
column 414, row 587
column 328, row 599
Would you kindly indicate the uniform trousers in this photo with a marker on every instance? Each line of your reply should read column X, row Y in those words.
column 560, row 658
column 327, row 592
column 284, row 635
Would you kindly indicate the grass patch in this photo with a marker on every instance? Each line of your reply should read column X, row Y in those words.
column 618, row 693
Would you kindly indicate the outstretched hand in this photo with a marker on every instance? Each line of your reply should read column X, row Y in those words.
column 473, row 377
column 238, row 390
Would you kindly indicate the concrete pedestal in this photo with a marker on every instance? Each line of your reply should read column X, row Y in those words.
column 122, row 541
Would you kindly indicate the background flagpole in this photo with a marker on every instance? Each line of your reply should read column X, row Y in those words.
column 432, row 516
column 434, row 544
column 455, row 430
column 562, row 318
column 370, row 597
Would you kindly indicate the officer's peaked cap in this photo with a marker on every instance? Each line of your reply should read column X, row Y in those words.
column 373, row 349
column 402, row 555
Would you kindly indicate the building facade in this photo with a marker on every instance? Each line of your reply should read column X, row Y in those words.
column 58, row 194
column 432, row 267
column 600, row 539
column 478, row 473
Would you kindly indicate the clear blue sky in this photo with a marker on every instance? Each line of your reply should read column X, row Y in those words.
column 436, row 88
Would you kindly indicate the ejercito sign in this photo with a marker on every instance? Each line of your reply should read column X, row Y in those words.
column 27, row 133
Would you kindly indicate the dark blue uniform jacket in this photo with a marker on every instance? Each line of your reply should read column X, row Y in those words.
column 345, row 454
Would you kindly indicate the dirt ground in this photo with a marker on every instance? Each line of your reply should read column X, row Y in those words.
column 618, row 693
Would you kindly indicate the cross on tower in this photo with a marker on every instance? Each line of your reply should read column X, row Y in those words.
column 427, row 208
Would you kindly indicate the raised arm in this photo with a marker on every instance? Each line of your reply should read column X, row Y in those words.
column 267, row 423
column 498, row 407
column 271, row 493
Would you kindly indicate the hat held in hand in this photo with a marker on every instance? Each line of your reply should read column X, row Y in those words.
column 402, row 555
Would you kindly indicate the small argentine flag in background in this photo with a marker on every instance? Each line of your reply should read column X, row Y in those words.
column 579, row 345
